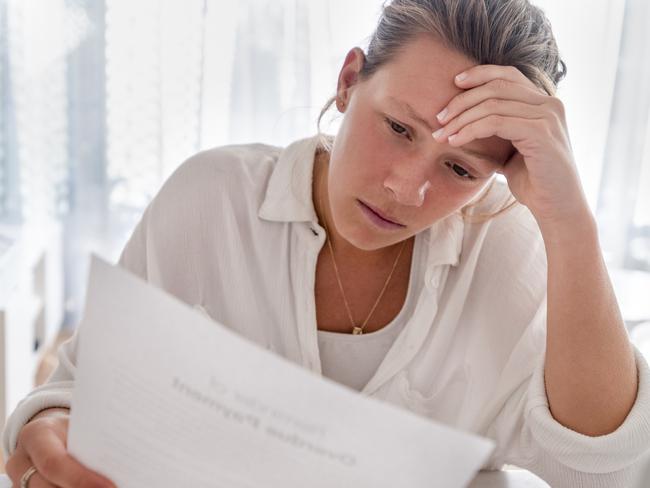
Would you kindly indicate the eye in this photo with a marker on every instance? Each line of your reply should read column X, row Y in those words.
column 398, row 129
column 463, row 174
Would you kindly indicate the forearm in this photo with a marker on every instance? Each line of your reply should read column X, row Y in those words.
column 590, row 369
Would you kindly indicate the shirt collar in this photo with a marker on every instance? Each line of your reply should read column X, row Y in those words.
column 288, row 195
column 288, row 198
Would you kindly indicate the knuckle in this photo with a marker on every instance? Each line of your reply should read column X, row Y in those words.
column 500, row 84
column 25, row 432
column 11, row 465
column 556, row 121
column 31, row 431
column 544, row 128
column 50, row 465
column 549, row 116
column 558, row 106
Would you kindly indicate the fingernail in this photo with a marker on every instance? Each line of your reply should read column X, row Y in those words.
column 438, row 133
column 451, row 138
column 461, row 76
column 441, row 116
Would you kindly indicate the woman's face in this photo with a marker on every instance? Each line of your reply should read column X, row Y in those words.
column 387, row 159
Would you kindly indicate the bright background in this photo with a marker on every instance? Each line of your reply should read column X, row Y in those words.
column 100, row 100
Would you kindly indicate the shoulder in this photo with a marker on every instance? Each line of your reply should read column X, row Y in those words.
column 235, row 173
column 243, row 162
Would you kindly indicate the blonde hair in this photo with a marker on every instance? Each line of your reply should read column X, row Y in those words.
column 503, row 32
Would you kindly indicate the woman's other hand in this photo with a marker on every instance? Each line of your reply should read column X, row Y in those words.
column 500, row 101
column 42, row 443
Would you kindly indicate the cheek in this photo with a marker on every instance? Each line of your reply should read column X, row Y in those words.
column 369, row 136
column 362, row 163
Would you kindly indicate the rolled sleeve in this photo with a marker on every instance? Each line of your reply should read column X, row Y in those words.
column 529, row 437
column 601, row 454
column 56, row 392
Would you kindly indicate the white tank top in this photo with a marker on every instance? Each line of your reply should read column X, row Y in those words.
column 353, row 359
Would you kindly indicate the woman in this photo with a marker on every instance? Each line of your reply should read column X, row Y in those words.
column 388, row 259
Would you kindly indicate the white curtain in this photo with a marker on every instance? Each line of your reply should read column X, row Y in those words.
column 34, row 99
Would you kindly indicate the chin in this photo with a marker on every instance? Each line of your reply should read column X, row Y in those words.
column 365, row 245
column 366, row 240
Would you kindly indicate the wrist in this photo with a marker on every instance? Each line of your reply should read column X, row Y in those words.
column 569, row 231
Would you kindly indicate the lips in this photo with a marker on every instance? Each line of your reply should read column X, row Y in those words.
column 382, row 214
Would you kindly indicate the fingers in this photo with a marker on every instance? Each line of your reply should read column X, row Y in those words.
column 18, row 464
column 497, row 90
column 43, row 441
column 498, row 102
column 37, row 481
column 510, row 128
column 483, row 73
column 483, row 109
column 52, row 460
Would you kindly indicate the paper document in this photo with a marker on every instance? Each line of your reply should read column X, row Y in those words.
column 166, row 397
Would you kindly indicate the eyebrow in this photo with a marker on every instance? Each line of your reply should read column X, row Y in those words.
column 415, row 116
column 411, row 112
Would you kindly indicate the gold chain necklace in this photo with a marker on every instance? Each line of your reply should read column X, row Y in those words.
column 356, row 330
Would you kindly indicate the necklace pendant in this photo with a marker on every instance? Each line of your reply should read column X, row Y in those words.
column 357, row 330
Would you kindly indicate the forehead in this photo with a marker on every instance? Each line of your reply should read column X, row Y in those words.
column 424, row 70
column 419, row 82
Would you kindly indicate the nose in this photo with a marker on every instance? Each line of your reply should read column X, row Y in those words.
column 406, row 186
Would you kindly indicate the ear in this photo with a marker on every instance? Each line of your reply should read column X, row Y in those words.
column 349, row 74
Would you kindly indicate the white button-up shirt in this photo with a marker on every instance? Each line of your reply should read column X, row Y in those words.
column 234, row 232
